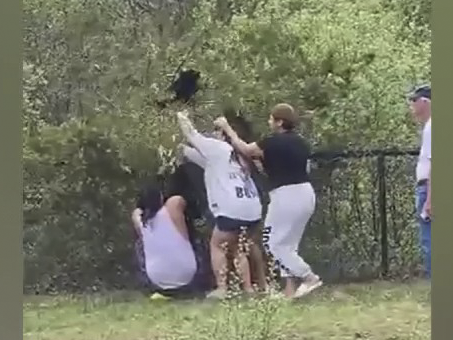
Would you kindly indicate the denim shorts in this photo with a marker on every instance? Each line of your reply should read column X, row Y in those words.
column 233, row 225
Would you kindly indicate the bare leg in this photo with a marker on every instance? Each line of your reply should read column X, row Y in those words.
column 257, row 258
column 219, row 258
column 243, row 267
column 258, row 265
column 290, row 287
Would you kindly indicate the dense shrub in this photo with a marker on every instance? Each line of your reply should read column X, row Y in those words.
column 94, row 70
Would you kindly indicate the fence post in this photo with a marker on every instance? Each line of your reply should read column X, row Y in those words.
column 382, row 203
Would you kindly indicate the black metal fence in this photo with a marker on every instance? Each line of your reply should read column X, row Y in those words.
column 80, row 237
column 364, row 225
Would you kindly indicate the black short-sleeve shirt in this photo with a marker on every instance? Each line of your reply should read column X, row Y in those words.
column 285, row 159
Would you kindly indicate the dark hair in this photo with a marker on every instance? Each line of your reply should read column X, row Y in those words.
column 239, row 123
column 226, row 138
column 150, row 201
column 286, row 114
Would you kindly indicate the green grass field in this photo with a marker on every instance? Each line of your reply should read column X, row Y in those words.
column 378, row 311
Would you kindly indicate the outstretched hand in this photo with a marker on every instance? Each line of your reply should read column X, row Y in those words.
column 183, row 114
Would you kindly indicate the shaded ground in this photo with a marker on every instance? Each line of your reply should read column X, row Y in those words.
column 379, row 311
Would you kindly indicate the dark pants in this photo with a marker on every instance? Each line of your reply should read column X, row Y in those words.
column 425, row 228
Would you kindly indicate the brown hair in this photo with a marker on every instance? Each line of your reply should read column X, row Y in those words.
column 286, row 114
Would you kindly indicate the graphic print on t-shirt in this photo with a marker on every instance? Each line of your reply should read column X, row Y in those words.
column 247, row 188
column 244, row 186
column 231, row 192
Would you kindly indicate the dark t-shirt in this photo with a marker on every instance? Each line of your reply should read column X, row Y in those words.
column 285, row 159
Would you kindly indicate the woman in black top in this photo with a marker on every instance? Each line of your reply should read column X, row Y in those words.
column 284, row 155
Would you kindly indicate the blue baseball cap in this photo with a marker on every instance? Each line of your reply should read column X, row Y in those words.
column 423, row 91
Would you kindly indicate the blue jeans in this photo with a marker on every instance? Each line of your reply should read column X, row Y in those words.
column 425, row 229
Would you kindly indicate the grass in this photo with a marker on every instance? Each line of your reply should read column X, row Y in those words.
column 378, row 311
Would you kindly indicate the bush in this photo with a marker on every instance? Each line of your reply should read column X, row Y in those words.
column 94, row 70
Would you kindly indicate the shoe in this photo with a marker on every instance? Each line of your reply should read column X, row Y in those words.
column 308, row 286
column 157, row 296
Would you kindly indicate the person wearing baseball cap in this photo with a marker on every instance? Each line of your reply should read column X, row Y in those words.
column 419, row 92
column 420, row 104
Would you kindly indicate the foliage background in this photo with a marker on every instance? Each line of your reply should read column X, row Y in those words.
column 92, row 132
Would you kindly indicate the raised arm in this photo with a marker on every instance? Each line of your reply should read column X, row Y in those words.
column 193, row 156
column 250, row 150
column 204, row 145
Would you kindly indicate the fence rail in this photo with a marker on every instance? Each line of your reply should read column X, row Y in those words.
column 330, row 155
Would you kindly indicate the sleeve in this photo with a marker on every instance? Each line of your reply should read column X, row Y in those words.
column 207, row 147
column 194, row 156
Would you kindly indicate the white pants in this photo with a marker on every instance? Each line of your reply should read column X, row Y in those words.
column 289, row 211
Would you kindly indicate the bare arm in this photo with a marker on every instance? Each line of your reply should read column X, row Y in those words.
column 427, row 137
column 250, row 150
column 427, row 206
column 176, row 206
column 429, row 176
column 137, row 220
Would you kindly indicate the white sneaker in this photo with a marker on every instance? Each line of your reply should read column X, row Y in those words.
column 308, row 286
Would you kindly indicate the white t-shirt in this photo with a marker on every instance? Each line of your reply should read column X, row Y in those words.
column 231, row 193
column 169, row 257
column 424, row 159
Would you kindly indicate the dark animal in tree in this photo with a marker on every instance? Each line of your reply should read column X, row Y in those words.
column 184, row 88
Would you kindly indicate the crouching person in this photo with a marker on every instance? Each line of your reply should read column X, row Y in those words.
column 168, row 258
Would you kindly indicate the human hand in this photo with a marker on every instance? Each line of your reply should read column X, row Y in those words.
column 183, row 114
column 221, row 122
